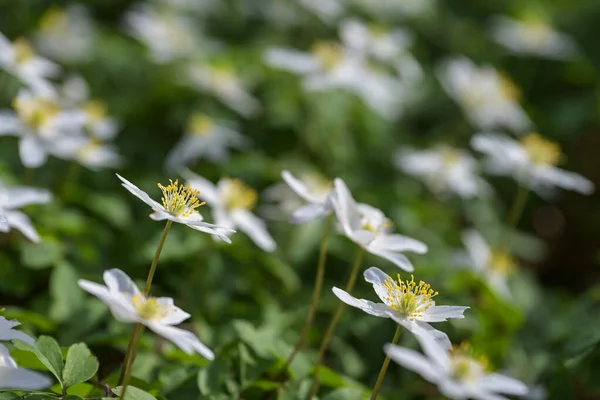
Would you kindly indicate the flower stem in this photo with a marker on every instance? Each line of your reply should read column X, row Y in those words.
column 334, row 320
column 136, row 334
column 384, row 366
column 316, row 292
column 516, row 210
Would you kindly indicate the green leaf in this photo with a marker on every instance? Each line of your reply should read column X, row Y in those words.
column 9, row 396
column 41, row 255
column 80, row 366
column 72, row 397
column 211, row 378
column 39, row 396
column 345, row 394
column 47, row 351
column 133, row 393
column 66, row 295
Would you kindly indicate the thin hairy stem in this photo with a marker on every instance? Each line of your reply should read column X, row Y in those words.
column 384, row 366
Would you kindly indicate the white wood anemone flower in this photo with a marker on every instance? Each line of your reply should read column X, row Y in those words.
column 15, row 377
column 532, row 36
column 531, row 161
column 327, row 10
column 315, row 191
column 490, row 99
column 457, row 374
column 406, row 302
column 444, row 170
column 127, row 304
column 90, row 152
column 13, row 198
column 204, row 137
column 368, row 227
column 231, row 201
column 179, row 205
column 7, row 331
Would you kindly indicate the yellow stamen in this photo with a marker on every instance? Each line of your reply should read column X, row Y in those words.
column 95, row 110
column 238, row 195
column 502, row 262
column 200, row 125
column 540, row 150
column 37, row 111
column 328, row 54
column 409, row 298
column 23, row 50
column 179, row 200
column 148, row 308
column 466, row 363
column 54, row 19
column 508, row 88
column 450, row 156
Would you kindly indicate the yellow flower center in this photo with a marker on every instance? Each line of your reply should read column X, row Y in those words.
column 328, row 54
column 237, row 195
column 450, row 156
column 502, row 262
column 317, row 183
column 223, row 76
column 540, row 150
column 200, row 125
column 538, row 31
column 377, row 30
column 92, row 145
column 95, row 110
column 407, row 297
column 36, row 112
column 148, row 308
column 54, row 19
column 508, row 89
column 466, row 366
column 23, row 50
column 179, row 200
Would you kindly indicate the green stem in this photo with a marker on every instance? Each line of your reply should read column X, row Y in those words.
column 516, row 211
column 334, row 320
column 384, row 366
column 156, row 256
column 316, row 292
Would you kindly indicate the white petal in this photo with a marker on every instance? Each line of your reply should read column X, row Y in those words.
column 435, row 352
column 23, row 224
column 442, row 313
column 215, row 230
column 345, row 207
column 175, row 316
column 502, row 384
column 8, row 333
column 10, row 124
column 424, row 330
column 119, row 282
column 120, row 307
column 378, row 310
column 255, row 228
column 32, row 152
column 159, row 215
column 21, row 196
column 396, row 242
column 377, row 277
column 22, row 379
column 140, row 194
column 299, row 187
column 291, row 60
column 208, row 191
column 564, row 179
column 478, row 249
column 308, row 213
column 398, row 259
column 185, row 340
column 414, row 361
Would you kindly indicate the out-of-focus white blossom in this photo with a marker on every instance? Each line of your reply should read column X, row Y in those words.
column 11, row 199
column 327, row 10
column 532, row 36
column 66, row 34
column 314, row 190
column 531, row 161
column 14, row 377
column 489, row 98
column 444, row 170
column 392, row 9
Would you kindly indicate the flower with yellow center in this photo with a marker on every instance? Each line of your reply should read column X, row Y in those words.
column 179, row 205
column 36, row 112
column 231, row 201
column 329, row 54
column 457, row 374
column 23, row 50
column 314, row 190
column 540, row 150
column 129, row 305
column 13, row 198
column 200, row 125
column 406, row 302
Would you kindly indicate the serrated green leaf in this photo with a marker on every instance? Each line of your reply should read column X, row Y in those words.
column 134, row 393
column 47, row 351
column 80, row 365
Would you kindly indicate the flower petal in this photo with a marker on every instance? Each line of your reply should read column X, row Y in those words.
column 478, row 249
column 21, row 196
column 442, row 313
column 377, row 277
column 503, row 384
column 140, row 194
column 185, row 340
column 119, row 282
column 414, row 361
column 255, row 228
column 308, row 213
column 345, row 207
column 23, row 224
column 299, row 187
column 378, row 310
column 118, row 305
column 32, row 152
column 398, row 259
column 175, row 314
column 396, row 242
column 208, row 191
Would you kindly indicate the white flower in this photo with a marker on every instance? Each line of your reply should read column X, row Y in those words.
column 204, row 137
column 444, row 169
column 494, row 265
column 231, row 202
column 39, row 122
column 128, row 304
column 532, row 36
column 179, row 205
column 14, row 377
column 223, row 83
column 11, row 199
column 315, row 191
column 457, row 374
column 406, row 302
column 8, row 333
column 327, row 10
column 369, row 228
column 66, row 34
column 19, row 59
column 531, row 161
column 89, row 152
column 488, row 98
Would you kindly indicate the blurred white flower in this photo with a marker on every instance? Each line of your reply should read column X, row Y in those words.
column 533, row 37
column 19, row 59
column 444, row 170
column 406, row 302
column 495, row 266
column 369, row 228
column 488, row 98
column 89, row 152
column 332, row 66
column 206, row 138
column 327, row 10
column 231, row 202
column 457, row 374
column 531, row 161
column 8, row 333
column 40, row 123
column 11, row 199
column 127, row 304
column 15, row 377
column 66, row 34
column 315, row 191
column 179, row 205
column 224, row 84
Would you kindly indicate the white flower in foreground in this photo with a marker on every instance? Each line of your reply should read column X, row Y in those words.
column 128, row 304
column 231, row 202
column 14, row 377
column 457, row 374
column 11, row 199
column 223, row 83
column 406, row 302
column 179, row 205
column 532, row 36
column 315, row 191
column 207, row 138
column 444, row 170
column 494, row 265
column 368, row 227
column 531, row 161
column 8, row 333
column 488, row 98
column 19, row 59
